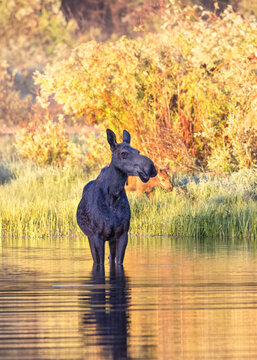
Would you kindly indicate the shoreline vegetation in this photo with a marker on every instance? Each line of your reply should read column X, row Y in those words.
column 41, row 202
column 183, row 83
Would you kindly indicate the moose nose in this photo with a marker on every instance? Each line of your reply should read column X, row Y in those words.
column 153, row 171
column 148, row 167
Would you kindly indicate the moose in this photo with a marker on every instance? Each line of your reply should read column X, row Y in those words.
column 162, row 180
column 103, row 213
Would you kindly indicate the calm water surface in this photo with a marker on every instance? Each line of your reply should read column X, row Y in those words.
column 172, row 300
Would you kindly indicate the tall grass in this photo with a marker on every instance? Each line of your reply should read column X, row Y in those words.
column 201, row 207
column 41, row 201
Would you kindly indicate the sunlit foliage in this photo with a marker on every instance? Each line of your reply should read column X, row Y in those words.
column 187, row 94
column 47, row 144
column 33, row 30
column 15, row 109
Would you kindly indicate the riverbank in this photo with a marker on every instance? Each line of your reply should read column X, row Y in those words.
column 41, row 202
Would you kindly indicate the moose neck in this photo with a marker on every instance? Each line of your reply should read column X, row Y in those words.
column 117, row 180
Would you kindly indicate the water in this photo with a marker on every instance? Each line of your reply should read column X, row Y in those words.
column 172, row 300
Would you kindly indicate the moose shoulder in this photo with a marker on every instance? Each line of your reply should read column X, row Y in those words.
column 103, row 213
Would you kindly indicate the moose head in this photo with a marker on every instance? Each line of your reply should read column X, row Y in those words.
column 128, row 160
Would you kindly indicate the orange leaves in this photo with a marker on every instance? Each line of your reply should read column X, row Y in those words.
column 177, row 91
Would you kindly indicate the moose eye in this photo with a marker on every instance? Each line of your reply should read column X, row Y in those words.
column 124, row 155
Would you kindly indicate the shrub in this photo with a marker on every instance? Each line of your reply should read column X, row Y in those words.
column 187, row 93
column 33, row 30
column 30, row 34
column 13, row 109
column 47, row 144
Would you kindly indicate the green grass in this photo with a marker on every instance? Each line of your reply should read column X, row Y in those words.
column 199, row 208
column 41, row 202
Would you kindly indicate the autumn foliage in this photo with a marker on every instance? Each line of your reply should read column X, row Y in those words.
column 47, row 143
column 187, row 94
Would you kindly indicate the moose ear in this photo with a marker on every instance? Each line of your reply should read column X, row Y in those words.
column 111, row 137
column 126, row 137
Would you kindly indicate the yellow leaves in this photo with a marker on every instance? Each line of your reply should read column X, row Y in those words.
column 24, row 12
column 47, row 144
column 183, row 82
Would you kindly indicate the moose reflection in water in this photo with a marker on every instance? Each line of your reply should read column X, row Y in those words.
column 109, row 302
column 103, row 213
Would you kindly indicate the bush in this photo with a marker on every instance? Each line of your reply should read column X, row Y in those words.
column 33, row 30
column 186, row 94
column 30, row 35
column 47, row 144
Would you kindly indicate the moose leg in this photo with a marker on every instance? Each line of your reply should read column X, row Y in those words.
column 99, row 246
column 112, row 246
column 121, row 247
column 92, row 248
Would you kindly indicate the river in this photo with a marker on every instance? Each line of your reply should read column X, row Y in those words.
column 173, row 299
